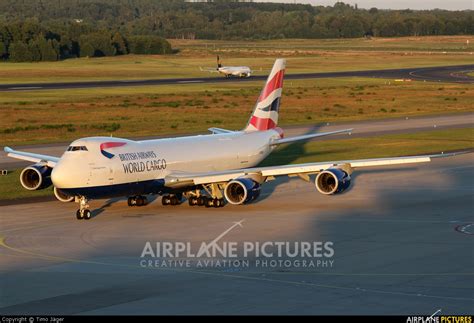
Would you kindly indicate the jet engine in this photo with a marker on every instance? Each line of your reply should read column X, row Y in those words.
column 241, row 191
column 36, row 177
column 332, row 181
column 61, row 196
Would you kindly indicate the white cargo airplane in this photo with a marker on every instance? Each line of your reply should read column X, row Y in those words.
column 229, row 71
column 207, row 170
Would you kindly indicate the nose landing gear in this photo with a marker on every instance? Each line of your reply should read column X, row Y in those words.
column 83, row 212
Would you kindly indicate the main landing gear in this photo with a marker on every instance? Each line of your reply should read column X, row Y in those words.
column 137, row 201
column 213, row 196
column 172, row 199
column 83, row 212
column 206, row 201
column 193, row 200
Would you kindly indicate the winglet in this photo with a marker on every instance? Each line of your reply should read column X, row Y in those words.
column 215, row 130
column 451, row 154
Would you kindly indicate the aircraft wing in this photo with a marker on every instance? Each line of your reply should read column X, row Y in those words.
column 310, row 136
column 301, row 170
column 50, row 161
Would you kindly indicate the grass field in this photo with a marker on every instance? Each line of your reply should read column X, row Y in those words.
column 12, row 189
column 383, row 146
column 405, row 44
column 302, row 56
column 52, row 116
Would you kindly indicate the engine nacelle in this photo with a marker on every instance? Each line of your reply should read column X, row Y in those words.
column 61, row 196
column 36, row 177
column 332, row 181
column 241, row 191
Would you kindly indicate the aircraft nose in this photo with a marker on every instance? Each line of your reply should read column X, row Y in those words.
column 59, row 176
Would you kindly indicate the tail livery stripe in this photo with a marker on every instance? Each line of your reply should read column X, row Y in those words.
column 262, row 123
column 107, row 145
column 275, row 83
column 272, row 106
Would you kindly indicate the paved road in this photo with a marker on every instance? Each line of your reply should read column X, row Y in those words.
column 361, row 129
column 402, row 240
column 456, row 74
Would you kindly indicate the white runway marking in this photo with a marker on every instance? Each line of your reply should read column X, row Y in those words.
column 25, row 87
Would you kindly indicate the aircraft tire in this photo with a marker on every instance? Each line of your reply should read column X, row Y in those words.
column 87, row 214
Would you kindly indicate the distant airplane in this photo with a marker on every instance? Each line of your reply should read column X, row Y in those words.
column 207, row 170
column 229, row 71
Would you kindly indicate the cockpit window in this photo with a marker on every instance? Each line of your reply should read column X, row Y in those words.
column 76, row 148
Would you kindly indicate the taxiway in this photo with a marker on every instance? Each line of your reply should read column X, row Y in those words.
column 403, row 244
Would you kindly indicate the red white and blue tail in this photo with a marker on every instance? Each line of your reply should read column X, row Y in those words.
column 265, row 114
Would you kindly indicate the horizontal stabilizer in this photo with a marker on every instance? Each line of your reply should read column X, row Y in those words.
column 219, row 130
column 208, row 69
column 310, row 136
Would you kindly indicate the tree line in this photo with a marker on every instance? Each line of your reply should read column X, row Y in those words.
column 57, row 29
column 31, row 41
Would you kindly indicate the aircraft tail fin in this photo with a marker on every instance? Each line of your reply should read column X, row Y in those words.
column 265, row 113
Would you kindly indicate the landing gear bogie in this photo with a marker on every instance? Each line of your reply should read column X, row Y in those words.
column 210, row 202
column 137, row 201
column 171, row 199
column 193, row 201
column 201, row 200
column 208, row 196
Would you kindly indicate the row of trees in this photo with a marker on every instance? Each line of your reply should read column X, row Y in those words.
column 104, row 44
column 31, row 41
column 273, row 21
column 39, row 49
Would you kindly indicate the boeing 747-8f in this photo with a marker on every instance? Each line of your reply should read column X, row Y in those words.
column 209, row 170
